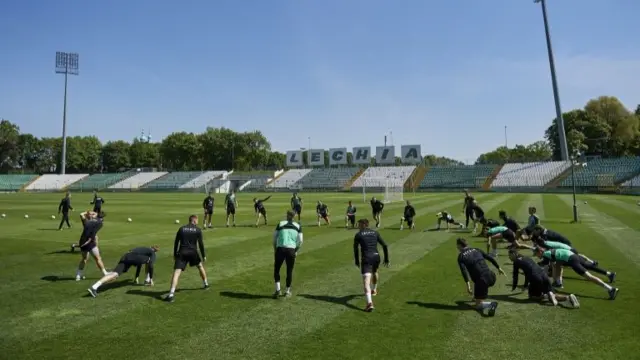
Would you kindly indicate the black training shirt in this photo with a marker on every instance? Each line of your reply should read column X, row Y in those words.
column 550, row 235
column 478, row 211
column 511, row 224
column 472, row 263
column 409, row 211
column 65, row 205
column 530, row 269
column 367, row 241
column 97, row 201
column 322, row 209
column 189, row 238
column 207, row 203
column 90, row 230
column 377, row 205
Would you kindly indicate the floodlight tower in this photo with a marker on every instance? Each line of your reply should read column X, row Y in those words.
column 67, row 64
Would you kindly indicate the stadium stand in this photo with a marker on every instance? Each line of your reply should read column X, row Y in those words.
column 604, row 172
column 289, row 179
column 327, row 178
column 54, row 182
column 173, row 180
column 250, row 181
column 633, row 182
column 379, row 176
column 138, row 180
column 15, row 182
column 202, row 180
column 456, row 177
column 534, row 174
column 100, row 181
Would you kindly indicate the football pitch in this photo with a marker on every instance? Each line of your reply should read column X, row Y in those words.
column 421, row 310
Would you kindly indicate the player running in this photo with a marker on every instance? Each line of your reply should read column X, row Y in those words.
column 322, row 211
column 376, row 209
column 472, row 265
column 448, row 219
column 287, row 241
column 368, row 260
column 88, row 244
column 539, row 286
column 350, row 217
column 231, row 204
column 64, row 208
column 467, row 207
column 261, row 211
column 185, row 252
column 97, row 202
column 135, row 257
column 207, row 205
column 296, row 205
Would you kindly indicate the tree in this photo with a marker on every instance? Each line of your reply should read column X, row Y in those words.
column 144, row 154
column 116, row 156
column 180, row 152
column 637, row 110
column 538, row 151
column 9, row 136
column 433, row 160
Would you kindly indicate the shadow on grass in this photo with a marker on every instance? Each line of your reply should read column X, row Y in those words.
column 459, row 306
column 47, row 229
column 581, row 296
column 56, row 278
column 156, row 294
column 339, row 300
column 61, row 252
column 244, row 296
column 113, row 285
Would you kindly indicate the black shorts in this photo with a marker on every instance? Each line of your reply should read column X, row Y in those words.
column 262, row 211
column 370, row 264
column 451, row 221
column 509, row 235
column 324, row 216
column 184, row 258
column 409, row 219
column 297, row 209
column 376, row 213
column 481, row 219
column 128, row 261
column 539, row 286
column 231, row 210
column 576, row 264
column 481, row 287
column 352, row 219
column 208, row 211
column 97, row 209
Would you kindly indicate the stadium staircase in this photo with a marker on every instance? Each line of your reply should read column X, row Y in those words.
column 353, row 179
column 24, row 186
column 275, row 178
column 558, row 179
column 492, row 177
column 413, row 182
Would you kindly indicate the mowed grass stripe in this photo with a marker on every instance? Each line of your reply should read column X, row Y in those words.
column 622, row 211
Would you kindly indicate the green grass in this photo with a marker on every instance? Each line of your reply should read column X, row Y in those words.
column 416, row 313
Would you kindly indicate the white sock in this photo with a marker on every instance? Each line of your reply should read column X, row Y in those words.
column 608, row 287
column 278, row 286
column 148, row 278
column 368, row 296
column 205, row 282
column 96, row 285
column 78, row 273
column 289, row 289
column 172, row 291
column 485, row 304
column 104, row 272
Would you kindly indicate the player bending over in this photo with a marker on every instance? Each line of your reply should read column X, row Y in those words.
column 539, row 286
column 261, row 211
column 185, row 252
column 231, row 204
column 558, row 245
column 296, row 205
column 548, row 235
column 472, row 265
column 408, row 215
column 135, row 257
column 376, row 209
column 510, row 223
column 322, row 211
column 287, row 240
column 350, row 216
column 448, row 219
column 88, row 244
column 207, row 205
column 478, row 212
column 500, row 233
column 367, row 240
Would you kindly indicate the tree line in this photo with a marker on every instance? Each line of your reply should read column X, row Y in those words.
column 603, row 128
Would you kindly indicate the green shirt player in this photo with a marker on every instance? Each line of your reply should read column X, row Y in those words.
column 231, row 204
column 296, row 205
column 350, row 217
column 287, row 240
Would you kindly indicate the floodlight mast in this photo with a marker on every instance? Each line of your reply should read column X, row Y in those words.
column 67, row 64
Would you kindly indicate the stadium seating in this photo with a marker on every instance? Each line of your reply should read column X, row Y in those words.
column 289, row 179
column 250, row 180
column 604, row 172
column 137, row 181
column 534, row 174
column 202, row 180
column 382, row 176
column 14, row 182
column 54, row 182
column 173, row 180
column 457, row 177
column 327, row 178
column 99, row 181
column 633, row 182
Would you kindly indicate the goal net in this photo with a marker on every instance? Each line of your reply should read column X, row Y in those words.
column 392, row 188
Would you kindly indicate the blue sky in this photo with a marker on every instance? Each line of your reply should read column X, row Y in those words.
column 448, row 75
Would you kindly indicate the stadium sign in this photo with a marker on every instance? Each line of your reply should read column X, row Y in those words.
column 385, row 155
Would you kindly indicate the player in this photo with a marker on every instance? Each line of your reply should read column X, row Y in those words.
column 407, row 215
column 350, row 218
column 367, row 240
column 135, row 257
column 296, row 205
column 287, row 240
column 97, row 202
column 323, row 213
column 376, row 208
column 64, row 208
column 548, row 235
column 261, row 211
column 564, row 257
column 479, row 218
column 539, row 286
column 207, row 205
column 472, row 265
column 231, row 204
column 558, row 245
column 497, row 233
column 88, row 244
column 467, row 207
column 509, row 222
column 448, row 219
column 185, row 251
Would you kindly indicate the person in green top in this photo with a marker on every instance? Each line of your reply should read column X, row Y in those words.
column 564, row 257
column 559, row 245
column 296, row 205
column 350, row 217
column 287, row 240
column 231, row 204
column 500, row 233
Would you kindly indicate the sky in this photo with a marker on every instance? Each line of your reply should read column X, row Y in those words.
column 448, row 75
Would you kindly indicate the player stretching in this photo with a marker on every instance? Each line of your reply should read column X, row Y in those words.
column 548, row 235
column 472, row 265
column 135, row 257
column 467, row 208
column 350, row 218
column 64, row 208
column 479, row 218
column 558, row 245
column 207, row 205
column 88, row 244
column 564, row 257
column 185, row 251
column 323, row 213
column 97, row 202
column 448, row 219
column 376, row 208
column 539, row 285
column 367, row 240
column 408, row 215
column 287, row 240
column 509, row 222
column 231, row 204
column 497, row 233
column 296, row 205
column 261, row 211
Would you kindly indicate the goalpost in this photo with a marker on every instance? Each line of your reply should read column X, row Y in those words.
column 393, row 189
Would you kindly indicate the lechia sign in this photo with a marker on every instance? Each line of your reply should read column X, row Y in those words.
column 384, row 155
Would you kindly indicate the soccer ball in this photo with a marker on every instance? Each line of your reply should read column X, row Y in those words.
column 129, row 220
column 26, row 216
column 585, row 202
column 4, row 216
column 53, row 217
column 177, row 221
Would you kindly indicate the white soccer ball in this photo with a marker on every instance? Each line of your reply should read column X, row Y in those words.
column 5, row 215
column 585, row 202
column 26, row 216
column 129, row 220
column 177, row 221
column 53, row 217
